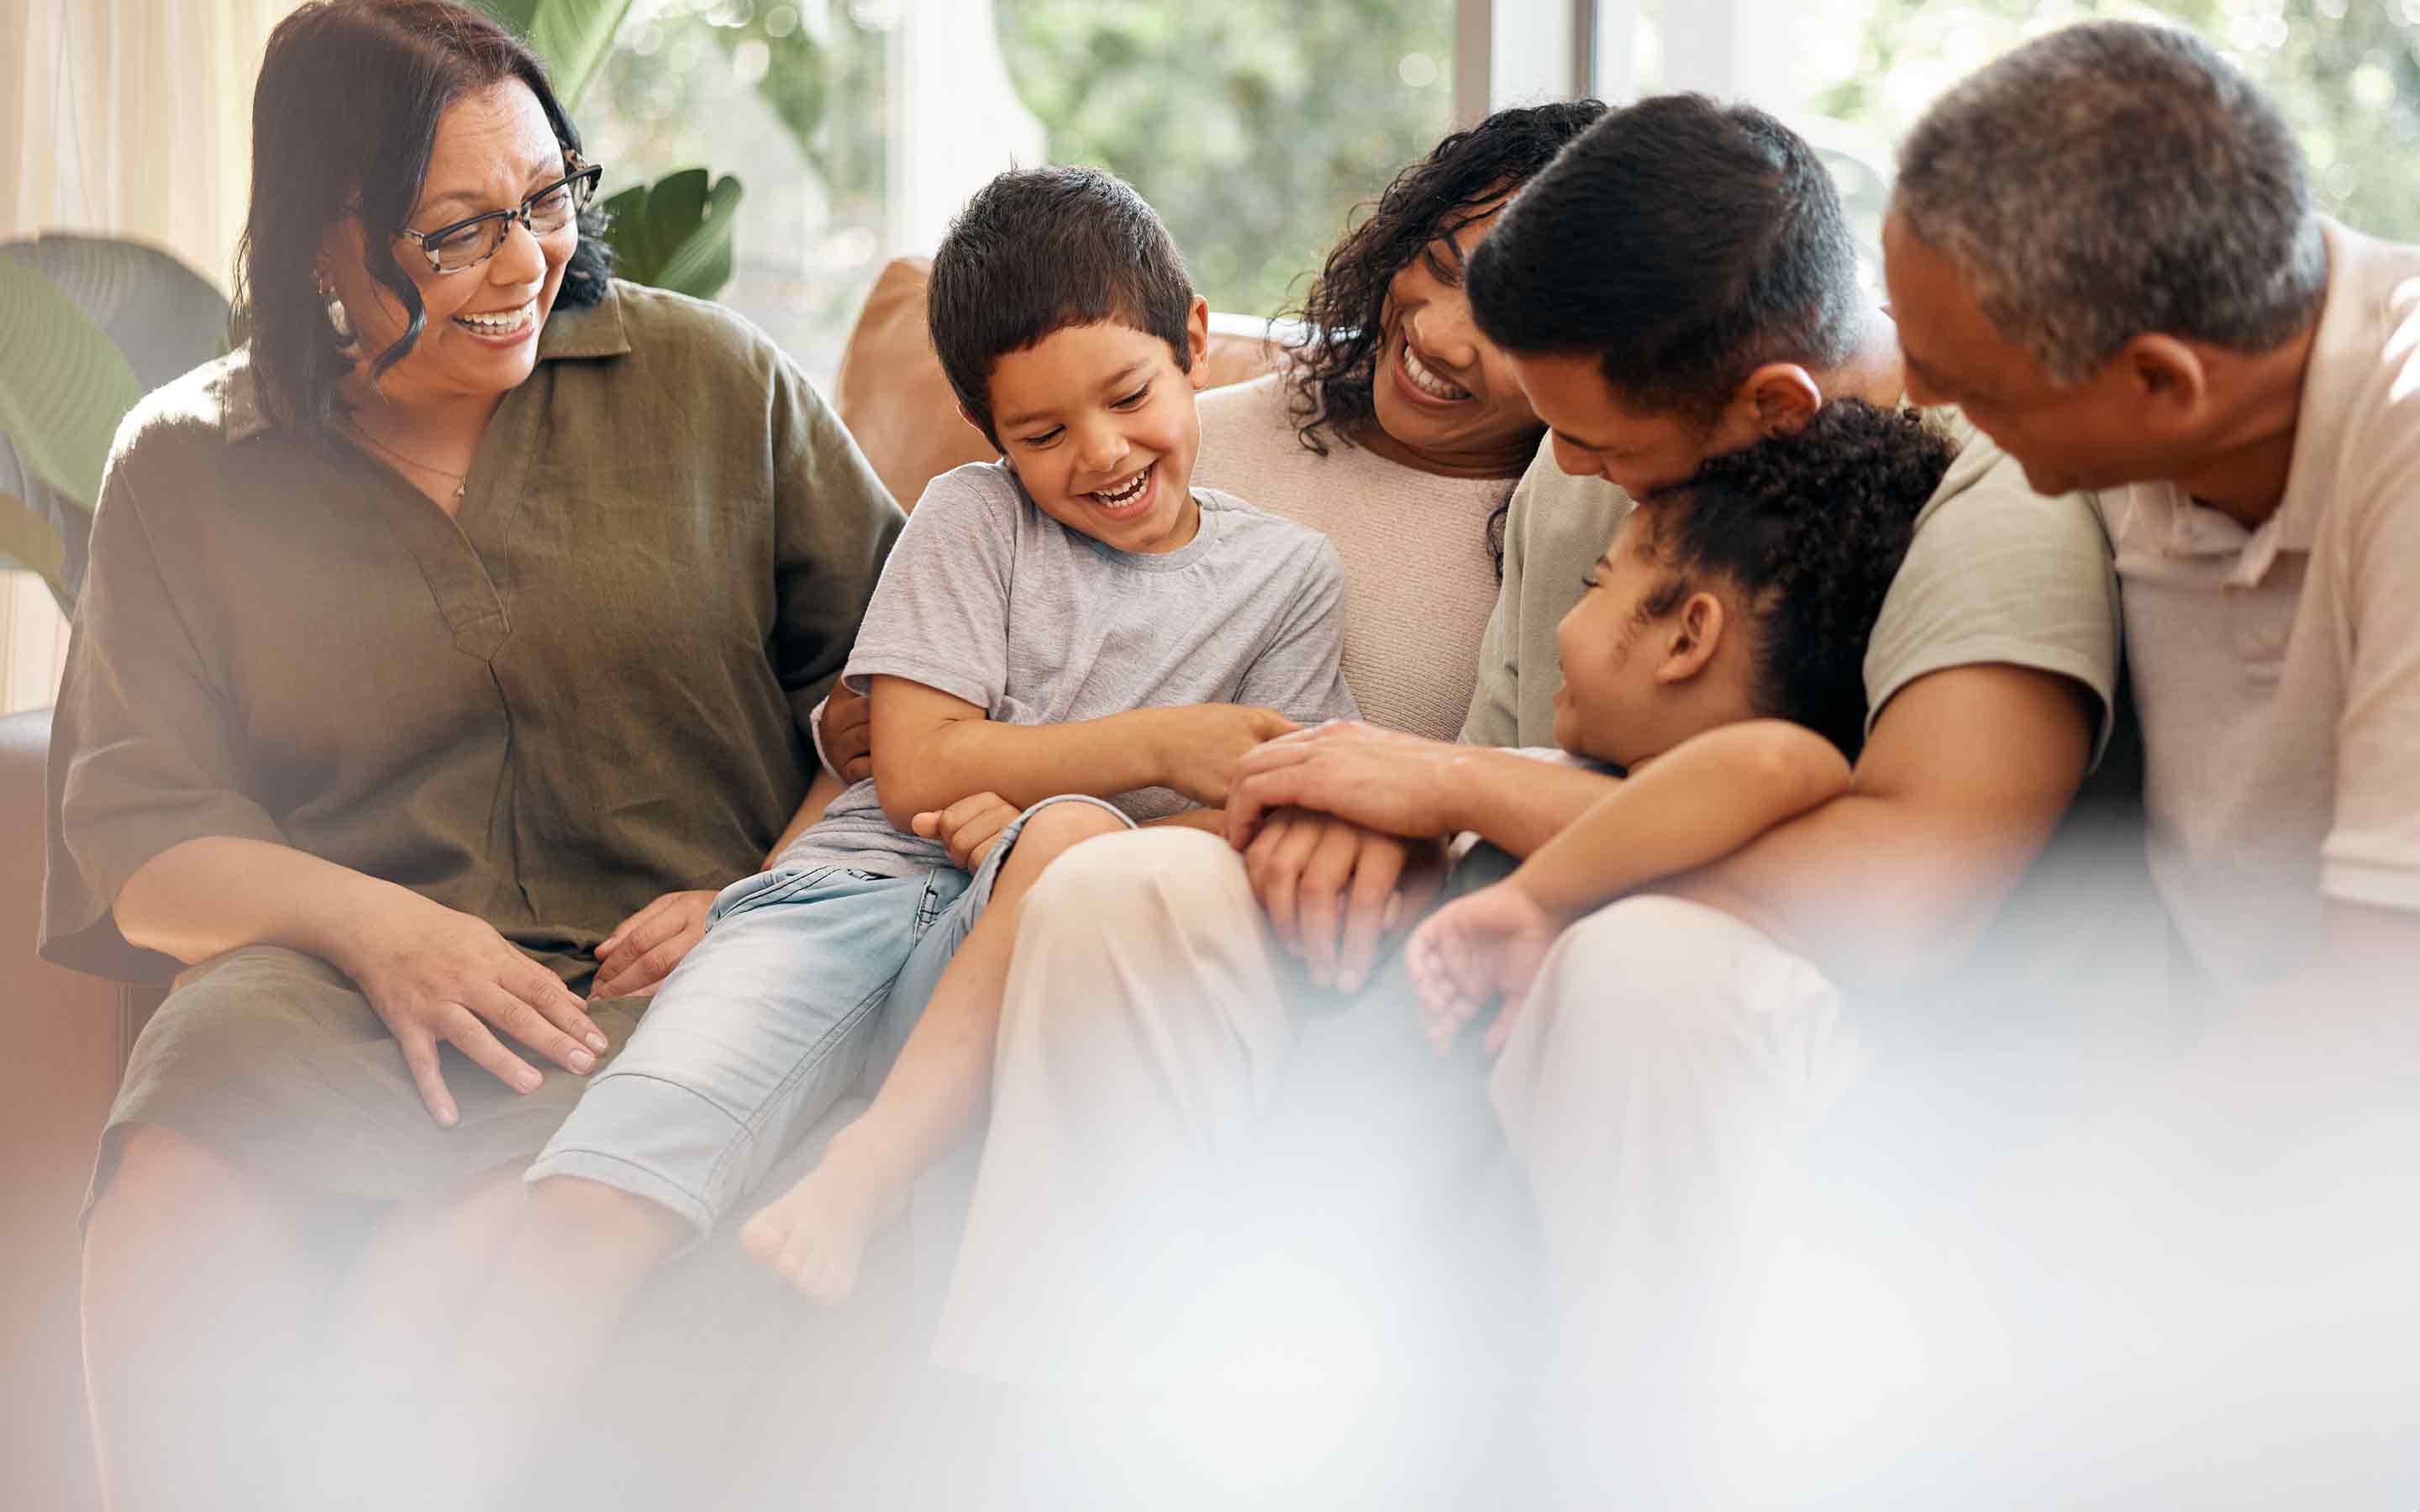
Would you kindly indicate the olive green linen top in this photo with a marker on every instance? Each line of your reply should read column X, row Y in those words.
column 587, row 689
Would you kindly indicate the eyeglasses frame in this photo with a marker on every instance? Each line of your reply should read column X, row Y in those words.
column 584, row 174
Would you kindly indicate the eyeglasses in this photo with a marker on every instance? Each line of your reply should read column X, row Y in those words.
column 466, row 244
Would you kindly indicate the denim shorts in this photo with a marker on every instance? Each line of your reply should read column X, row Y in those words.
column 765, row 1025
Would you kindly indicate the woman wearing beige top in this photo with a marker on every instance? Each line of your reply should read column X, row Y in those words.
column 457, row 632
column 1398, row 430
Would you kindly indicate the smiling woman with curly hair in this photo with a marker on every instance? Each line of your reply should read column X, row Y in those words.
column 1396, row 427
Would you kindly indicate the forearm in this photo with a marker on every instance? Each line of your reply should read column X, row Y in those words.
column 1694, row 805
column 1516, row 803
column 820, row 793
column 1023, row 763
column 206, row 897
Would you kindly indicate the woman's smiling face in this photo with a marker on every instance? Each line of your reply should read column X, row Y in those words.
column 493, row 150
column 1442, row 389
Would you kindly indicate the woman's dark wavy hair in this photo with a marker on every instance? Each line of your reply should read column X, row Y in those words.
column 1336, row 360
column 343, row 121
column 1810, row 528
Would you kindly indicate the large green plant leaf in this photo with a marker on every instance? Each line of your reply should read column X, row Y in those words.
column 572, row 36
column 676, row 233
column 166, row 318
column 87, row 324
column 63, row 385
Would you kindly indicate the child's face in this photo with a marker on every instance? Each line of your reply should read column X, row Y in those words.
column 1637, row 683
column 1098, row 421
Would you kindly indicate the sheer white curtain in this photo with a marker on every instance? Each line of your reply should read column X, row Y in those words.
column 131, row 117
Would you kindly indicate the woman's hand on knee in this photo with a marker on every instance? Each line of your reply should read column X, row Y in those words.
column 433, row 974
column 635, row 959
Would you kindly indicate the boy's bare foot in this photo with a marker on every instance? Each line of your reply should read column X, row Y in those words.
column 814, row 1234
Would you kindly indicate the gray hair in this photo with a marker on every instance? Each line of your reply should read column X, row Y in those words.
column 2110, row 179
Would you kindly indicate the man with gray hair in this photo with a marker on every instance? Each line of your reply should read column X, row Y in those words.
column 2103, row 249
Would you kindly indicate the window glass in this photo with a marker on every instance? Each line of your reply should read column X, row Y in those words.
column 2345, row 74
column 792, row 96
column 1252, row 126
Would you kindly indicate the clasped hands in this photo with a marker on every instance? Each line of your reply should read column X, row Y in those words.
column 1342, row 829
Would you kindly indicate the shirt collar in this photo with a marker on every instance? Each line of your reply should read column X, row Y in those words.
column 2164, row 519
column 570, row 335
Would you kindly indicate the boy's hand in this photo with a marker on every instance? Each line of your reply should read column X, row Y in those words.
column 1198, row 745
column 848, row 732
column 970, row 827
column 634, row 960
column 1488, row 944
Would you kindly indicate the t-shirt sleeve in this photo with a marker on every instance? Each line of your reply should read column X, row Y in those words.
column 2372, row 852
column 146, row 747
column 939, row 616
column 1999, row 574
column 834, row 522
column 1301, row 672
column 1494, row 717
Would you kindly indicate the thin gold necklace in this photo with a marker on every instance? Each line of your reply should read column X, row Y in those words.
column 461, row 480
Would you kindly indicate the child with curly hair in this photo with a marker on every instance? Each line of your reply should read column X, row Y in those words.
column 1716, row 660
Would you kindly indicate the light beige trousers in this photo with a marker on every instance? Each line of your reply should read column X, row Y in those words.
column 1165, row 1079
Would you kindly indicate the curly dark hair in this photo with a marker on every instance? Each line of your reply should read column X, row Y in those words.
column 1810, row 528
column 1344, row 313
column 344, row 119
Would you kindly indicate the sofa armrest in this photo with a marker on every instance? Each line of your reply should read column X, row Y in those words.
column 64, row 1037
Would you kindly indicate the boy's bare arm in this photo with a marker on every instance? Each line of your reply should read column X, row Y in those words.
column 1692, row 806
column 931, row 749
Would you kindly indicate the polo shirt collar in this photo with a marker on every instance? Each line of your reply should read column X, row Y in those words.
column 570, row 335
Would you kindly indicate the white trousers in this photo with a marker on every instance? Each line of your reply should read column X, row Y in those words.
column 1164, row 1078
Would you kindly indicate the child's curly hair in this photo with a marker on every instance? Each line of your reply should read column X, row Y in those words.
column 1810, row 528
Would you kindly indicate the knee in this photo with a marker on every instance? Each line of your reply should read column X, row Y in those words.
column 156, row 1176
column 602, row 1214
column 1645, row 971
column 1058, row 828
column 1141, row 878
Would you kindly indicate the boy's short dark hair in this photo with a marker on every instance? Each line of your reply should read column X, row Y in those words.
column 1682, row 243
column 1038, row 249
column 1810, row 528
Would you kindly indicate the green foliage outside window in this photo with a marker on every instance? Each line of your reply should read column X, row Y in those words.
column 1252, row 126
column 2345, row 74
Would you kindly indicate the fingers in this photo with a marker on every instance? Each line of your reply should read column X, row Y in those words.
column 975, row 839
column 645, row 972
column 540, row 989
column 612, row 942
column 1279, row 877
column 1367, row 908
column 1501, row 1030
column 461, row 1026
column 1319, row 907
column 419, row 1054
column 517, row 1018
column 636, row 960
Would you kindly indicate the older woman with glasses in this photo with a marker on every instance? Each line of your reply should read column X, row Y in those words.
column 459, row 628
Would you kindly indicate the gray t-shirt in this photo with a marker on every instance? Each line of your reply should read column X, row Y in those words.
column 988, row 599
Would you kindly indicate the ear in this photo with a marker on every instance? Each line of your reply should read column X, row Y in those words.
column 1775, row 399
column 976, row 425
column 2165, row 376
column 1697, row 631
column 1197, row 332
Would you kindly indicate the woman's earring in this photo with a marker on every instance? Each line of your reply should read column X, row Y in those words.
column 337, row 320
